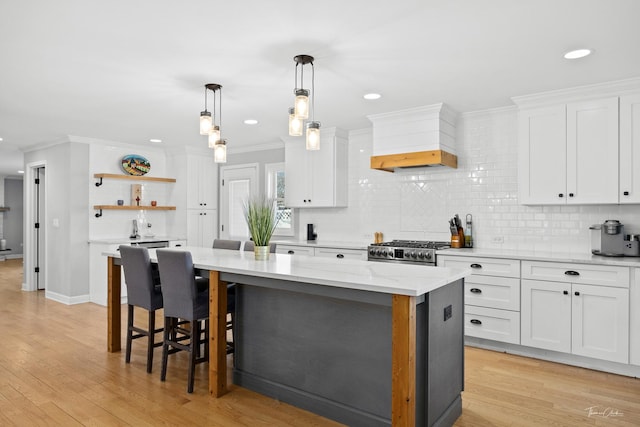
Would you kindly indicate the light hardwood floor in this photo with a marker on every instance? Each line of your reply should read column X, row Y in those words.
column 55, row 370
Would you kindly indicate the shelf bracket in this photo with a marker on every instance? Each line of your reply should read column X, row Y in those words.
column 99, row 214
column 98, row 184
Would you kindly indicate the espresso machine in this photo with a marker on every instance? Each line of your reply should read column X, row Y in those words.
column 608, row 239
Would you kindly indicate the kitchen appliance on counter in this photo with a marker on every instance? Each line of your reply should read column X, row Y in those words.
column 406, row 251
column 608, row 239
column 311, row 233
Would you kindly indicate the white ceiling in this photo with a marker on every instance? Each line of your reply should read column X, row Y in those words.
column 129, row 71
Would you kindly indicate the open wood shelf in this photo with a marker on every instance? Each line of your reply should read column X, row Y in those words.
column 130, row 178
column 3, row 209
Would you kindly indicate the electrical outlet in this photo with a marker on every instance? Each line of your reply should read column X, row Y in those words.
column 497, row 239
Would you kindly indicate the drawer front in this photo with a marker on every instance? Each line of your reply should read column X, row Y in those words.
column 341, row 253
column 492, row 324
column 603, row 275
column 482, row 266
column 291, row 250
column 492, row 292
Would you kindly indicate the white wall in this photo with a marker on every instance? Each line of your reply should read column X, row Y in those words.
column 416, row 203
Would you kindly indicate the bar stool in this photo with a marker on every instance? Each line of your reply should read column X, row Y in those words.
column 143, row 290
column 182, row 301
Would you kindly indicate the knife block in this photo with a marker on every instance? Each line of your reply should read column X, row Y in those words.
column 457, row 240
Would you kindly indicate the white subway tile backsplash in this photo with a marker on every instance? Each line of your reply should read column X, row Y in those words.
column 417, row 203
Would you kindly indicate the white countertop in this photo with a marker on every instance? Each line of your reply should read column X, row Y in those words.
column 120, row 240
column 574, row 257
column 390, row 278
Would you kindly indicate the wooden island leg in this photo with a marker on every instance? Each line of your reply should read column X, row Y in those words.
column 113, row 306
column 217, row 335
column 403, row 361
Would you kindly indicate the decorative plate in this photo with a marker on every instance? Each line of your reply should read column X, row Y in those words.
column 135, row 165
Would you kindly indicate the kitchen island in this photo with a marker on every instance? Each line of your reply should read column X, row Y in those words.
column 364, row 343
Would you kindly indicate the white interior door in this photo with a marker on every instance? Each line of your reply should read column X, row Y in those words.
column 236, row 185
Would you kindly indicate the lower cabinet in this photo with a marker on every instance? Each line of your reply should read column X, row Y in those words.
column 338, row 253
column 575, row 314
column 202, row 226
column 491, row 297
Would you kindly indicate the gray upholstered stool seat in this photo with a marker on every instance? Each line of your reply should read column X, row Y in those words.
column 143, row 290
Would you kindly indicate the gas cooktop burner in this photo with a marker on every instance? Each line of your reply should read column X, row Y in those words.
column 413, row 251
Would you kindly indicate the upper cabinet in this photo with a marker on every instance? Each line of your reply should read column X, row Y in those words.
column 630, row 149
column 316, row 179
column 582, row 150
column 202, row 182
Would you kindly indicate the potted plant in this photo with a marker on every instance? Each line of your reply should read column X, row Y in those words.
column 260, row 213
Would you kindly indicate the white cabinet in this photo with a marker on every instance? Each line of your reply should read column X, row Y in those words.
column 560, row 148
column 491, row 297
column 340, row 253
column 334, row 252
column 630, row 149
column 583, row 311
column 202, row 182
column 634, row 321
column 202, row 226
column 317, row 178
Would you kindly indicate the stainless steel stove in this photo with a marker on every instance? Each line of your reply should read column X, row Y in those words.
column 407, row 251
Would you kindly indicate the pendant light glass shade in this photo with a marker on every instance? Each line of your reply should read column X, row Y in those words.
column 214, row 136
column 302, row 104
column 313, row 136
column 205, row 122
column 220, row 152
column 295, row 124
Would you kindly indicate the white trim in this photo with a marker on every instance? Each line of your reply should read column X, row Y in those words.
column 28, row 254
column 579, row 93
column 55, row 296
column 497, row 110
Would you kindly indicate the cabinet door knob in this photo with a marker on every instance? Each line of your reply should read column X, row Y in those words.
column 475, row 266
column 571, row 273
column 565, row 292
column 576, row 293
column 290, row 252
column 570, row 194
column 626, row 193
column 476, row 290
column 560, row 195
column 339, row 256
column 476, row 321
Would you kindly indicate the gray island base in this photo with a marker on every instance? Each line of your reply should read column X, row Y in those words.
column 329, row 350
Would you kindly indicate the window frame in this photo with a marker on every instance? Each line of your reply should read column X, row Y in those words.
column 270, row 171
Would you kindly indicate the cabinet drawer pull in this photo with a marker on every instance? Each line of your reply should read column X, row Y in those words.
column 571, row 273
column 626, row 193
column 290, row 252
column 339, row 256
column 476, row 290
column 178, row 245
column 476, row 322
column 565, row 292
column 560, row 195
column 576, row 293
column 570, row 194
column 475, row 266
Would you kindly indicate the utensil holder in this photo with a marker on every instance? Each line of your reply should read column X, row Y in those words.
column 456, row 241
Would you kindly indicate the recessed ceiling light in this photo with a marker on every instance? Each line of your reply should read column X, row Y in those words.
column 155, row 140
column 371, row 96
column 251, row 122
column 577, row 53
column 1, row 140
column 20, row 171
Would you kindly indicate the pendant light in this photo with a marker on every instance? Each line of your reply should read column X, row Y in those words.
column 208, row 125
column 220, row 152
column 295, row 124
column 304, row 105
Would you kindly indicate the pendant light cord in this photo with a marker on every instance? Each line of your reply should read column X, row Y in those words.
column 313, row 92
column 205, row 98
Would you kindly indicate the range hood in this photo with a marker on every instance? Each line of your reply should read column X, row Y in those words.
column 417, row 137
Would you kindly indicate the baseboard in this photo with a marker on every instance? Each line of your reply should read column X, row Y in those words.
column 13, row 256
column 64, row 299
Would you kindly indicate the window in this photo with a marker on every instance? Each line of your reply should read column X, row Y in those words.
column 276, row 189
